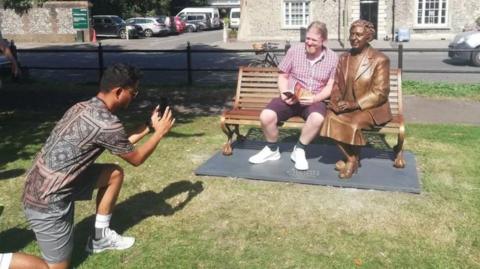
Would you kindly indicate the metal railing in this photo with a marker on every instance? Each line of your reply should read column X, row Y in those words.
column 100, row 51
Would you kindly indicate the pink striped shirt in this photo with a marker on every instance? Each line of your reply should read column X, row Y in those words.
column 299, row 68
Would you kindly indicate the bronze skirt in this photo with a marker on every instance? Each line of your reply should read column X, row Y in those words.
column 347, row 127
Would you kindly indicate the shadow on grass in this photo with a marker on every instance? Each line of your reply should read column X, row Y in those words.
column 135, row 209
column 14, row 239
column 8, row 174
column 127, row 214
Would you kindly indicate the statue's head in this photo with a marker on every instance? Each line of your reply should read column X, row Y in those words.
column 368, row 26
column 361, row 33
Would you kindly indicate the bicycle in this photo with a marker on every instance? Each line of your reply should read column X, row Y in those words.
column 270, row 59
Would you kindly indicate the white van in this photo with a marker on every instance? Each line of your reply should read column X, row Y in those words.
column 234, row 18
column 211, row 11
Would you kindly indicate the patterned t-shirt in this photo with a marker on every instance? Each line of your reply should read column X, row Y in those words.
column 83, row 133
column 312, row 76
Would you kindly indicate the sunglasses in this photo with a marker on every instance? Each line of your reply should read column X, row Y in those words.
column 133, row 92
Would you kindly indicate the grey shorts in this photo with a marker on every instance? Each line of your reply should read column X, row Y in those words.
column 54, row 232
column 54, row 228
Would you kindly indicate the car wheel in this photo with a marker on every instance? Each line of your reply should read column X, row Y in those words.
column 123, row 34
column 148, row 33
column 476, row 57
column 190, row 29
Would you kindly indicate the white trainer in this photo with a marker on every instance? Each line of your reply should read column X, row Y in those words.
column 266, row 154
column 111, row 240
column 298, row 157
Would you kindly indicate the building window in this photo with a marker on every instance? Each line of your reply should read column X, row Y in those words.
column 296, row 13
column 432, row 12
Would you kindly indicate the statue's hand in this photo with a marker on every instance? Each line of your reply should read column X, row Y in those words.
column 334, row 107
column 346, row 106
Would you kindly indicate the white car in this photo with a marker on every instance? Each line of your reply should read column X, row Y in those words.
column 470, row 43
column 150, row 25
column 234, row 18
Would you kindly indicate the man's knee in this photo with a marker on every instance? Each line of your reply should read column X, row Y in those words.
column 117, row 174
column 21, row 260
column 268, row 117
column 111, row 174
column 315, row 119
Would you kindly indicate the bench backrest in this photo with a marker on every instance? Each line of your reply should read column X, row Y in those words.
column 256, row 86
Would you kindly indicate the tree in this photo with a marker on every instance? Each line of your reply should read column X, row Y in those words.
column 177, row 5
column 129, row 8
column 21, row 6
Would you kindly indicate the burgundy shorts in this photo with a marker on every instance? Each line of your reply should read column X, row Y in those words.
column 285, row 111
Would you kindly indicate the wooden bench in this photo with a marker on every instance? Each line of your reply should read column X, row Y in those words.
column 256, row 86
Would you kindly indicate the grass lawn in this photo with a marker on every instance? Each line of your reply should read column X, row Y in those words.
column 184, row 221
column 442, row 90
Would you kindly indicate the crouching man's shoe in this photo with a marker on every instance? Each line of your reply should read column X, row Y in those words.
column 111, row 240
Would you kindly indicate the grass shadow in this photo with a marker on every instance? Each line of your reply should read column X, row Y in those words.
column 135, row 209
column 12, row 173
column 15, row 239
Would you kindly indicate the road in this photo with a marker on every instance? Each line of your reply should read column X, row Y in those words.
column 201, row 40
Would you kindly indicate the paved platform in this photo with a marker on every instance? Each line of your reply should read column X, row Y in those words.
column 376, row 171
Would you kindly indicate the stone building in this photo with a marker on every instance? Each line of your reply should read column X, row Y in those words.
column 424, row 19
column 52, row 22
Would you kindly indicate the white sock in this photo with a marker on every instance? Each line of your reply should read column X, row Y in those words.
column 101, row 223
column 5, row 260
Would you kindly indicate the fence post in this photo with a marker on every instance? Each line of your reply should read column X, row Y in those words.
column 13, row 50
column 189, row 63
column 400, row 56
column 100, row 61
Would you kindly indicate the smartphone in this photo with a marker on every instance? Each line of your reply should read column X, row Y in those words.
column 163, row 105
column 288, row 94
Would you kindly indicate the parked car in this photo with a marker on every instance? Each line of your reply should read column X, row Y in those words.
column 190, row 27
column 111, row 25
column 201, row 20
column 466, row 41
column 213, row 14
column 150, row 25
column 179, row 24
column 234, row 18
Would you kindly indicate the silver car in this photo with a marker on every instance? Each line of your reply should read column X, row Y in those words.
column 466, row 46
column 151, row 25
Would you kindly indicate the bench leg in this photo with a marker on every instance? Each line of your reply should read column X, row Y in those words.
column 227, row 147
column 240, row 137
column 398, row 149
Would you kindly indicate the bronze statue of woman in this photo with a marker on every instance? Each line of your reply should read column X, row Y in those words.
column 359, row 96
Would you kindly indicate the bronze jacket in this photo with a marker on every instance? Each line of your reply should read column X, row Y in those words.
column 371, row 86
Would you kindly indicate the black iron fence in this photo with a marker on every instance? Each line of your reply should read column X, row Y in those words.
column 188, row 68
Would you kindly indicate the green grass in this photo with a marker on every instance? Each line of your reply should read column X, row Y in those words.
column 184, row 221
column 442, row 90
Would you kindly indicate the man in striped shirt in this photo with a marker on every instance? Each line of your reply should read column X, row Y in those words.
column 305, row 81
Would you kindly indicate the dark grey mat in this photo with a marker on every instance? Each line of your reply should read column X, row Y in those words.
column 376, row 171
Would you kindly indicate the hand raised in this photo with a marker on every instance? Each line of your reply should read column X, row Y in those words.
column 165, row 123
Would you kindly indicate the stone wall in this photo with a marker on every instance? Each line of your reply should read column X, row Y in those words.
column 262, row 20
column 50, row 23
column 459, row 14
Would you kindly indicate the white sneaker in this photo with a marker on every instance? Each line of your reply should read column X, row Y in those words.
column 266, row 154
column 111, row 240
column 298, row 157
